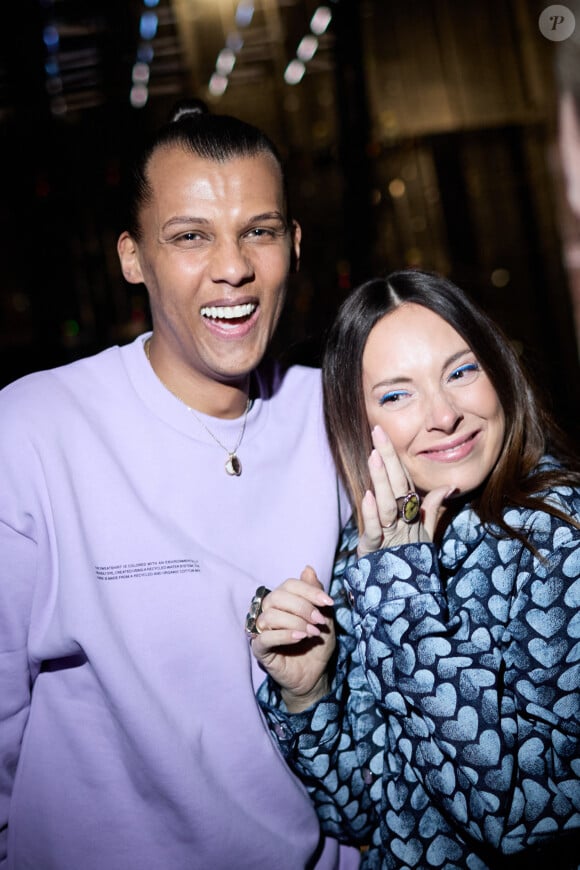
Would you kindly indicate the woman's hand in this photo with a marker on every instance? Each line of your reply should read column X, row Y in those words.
column 296, row 639
column 383, row 524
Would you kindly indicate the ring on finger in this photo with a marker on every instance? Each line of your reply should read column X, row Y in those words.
column 256, row 606
column 409, row 507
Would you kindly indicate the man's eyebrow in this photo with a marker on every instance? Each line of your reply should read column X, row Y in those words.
column 267, row 216
column 192, row 219
column 185, row 219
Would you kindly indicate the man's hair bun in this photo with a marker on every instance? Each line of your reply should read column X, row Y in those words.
column 187, row 108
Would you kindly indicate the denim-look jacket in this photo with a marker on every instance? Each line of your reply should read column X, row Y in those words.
column 450, row 738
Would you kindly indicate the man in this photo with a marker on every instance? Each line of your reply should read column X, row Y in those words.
column 568, row 81
column 146, row 493
column 567, row 65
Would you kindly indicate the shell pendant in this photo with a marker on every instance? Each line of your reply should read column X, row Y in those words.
column 233, row 465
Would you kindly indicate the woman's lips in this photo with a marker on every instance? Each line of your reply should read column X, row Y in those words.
column 457, row 449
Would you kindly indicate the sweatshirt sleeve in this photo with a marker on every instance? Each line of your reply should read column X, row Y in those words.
column 329, row 745
column 18, row 579
column 483, row 688
column 18, row 561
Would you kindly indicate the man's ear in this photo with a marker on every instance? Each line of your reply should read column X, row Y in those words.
column 129, row 258
column 295, row 252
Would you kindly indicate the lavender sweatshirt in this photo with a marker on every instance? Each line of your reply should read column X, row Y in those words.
column 130, row 738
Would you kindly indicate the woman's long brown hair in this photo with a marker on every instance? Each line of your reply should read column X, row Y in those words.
column 530, row 431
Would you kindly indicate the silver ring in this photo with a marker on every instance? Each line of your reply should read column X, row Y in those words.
column 409, row 507
column 255, row 610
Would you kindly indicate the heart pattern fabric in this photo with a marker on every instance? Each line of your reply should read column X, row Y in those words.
column 450, row 738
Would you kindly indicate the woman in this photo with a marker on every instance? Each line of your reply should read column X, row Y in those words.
column 443, row 729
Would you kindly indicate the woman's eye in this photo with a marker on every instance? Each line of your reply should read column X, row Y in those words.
column 464, row 372
column 392, row 397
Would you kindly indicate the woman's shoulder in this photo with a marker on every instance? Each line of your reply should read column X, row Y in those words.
column 550, row 520
column 543, row 521
column 561, row 492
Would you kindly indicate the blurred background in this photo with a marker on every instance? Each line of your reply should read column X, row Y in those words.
column 416, row 133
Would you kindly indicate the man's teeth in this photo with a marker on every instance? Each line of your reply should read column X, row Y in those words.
column 228, row 312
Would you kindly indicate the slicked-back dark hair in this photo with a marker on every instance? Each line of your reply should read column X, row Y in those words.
column 529, row 429
column 212, row 137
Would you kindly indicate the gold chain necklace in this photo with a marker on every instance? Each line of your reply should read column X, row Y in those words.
column 233, row 465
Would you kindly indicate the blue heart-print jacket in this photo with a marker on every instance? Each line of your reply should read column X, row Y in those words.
column 450, row 738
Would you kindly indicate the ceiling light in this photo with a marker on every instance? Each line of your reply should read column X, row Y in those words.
column 307, row 48
column 320, row 20
column 294, row 72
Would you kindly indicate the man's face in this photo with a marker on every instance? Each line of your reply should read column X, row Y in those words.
column 215, row 255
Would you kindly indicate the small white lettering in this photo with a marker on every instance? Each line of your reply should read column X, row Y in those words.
column 137, row 570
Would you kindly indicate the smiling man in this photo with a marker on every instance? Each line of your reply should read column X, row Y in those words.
column 213, row 248
column 147, row 492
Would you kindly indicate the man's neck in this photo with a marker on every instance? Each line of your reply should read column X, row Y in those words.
column 215, row 398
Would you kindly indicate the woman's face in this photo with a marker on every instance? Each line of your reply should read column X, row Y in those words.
column 423, row 385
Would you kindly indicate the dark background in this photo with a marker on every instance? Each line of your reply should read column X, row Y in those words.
column 422, row 134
